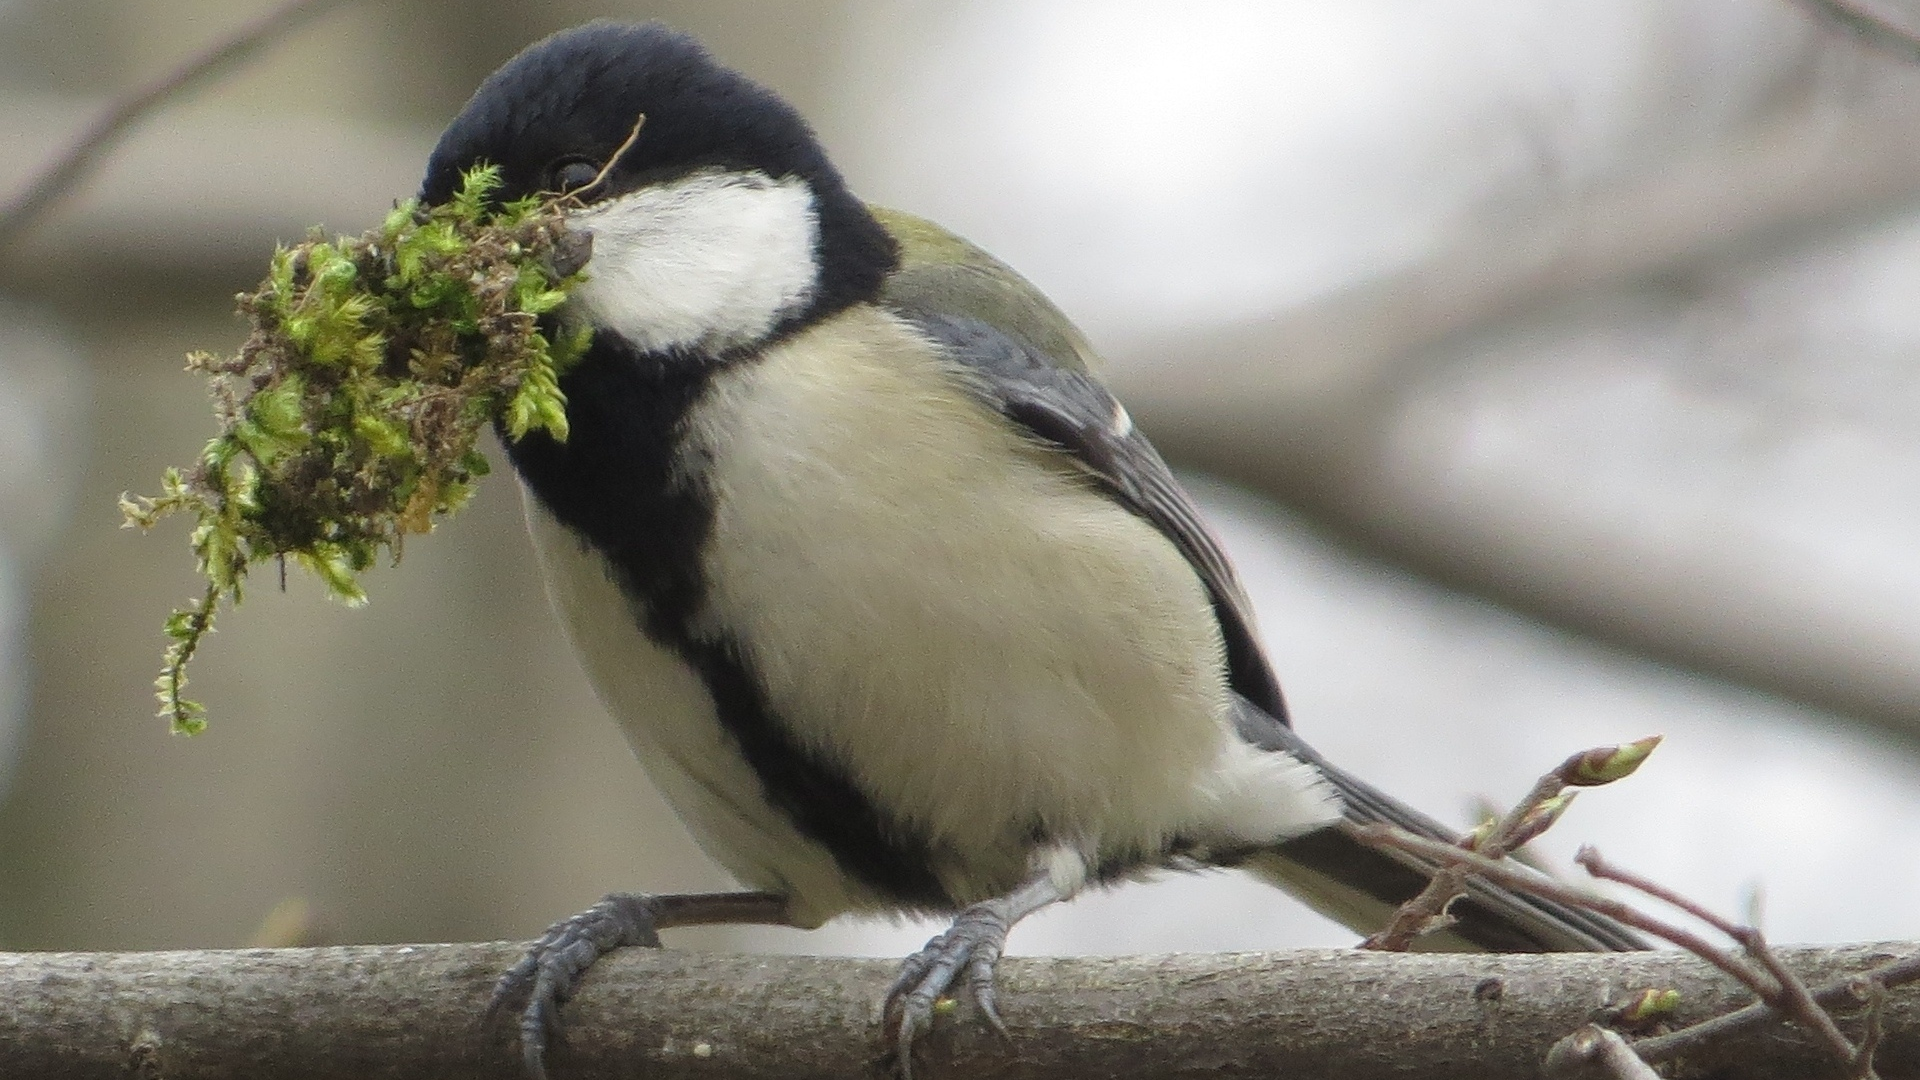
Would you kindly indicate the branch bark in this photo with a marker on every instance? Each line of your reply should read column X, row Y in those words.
column 406, row 1011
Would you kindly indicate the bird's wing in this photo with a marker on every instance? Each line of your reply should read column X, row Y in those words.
column 1030, row 362
column 942, row 274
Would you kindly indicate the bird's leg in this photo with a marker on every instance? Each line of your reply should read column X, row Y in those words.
column 972, row 945
column 552, row 969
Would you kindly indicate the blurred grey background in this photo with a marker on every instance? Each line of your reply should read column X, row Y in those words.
column 1553, row 371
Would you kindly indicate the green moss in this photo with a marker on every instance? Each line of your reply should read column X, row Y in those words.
column 350, row 416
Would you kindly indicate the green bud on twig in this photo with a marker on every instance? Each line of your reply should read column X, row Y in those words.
column 1647, row 1007
column 1477, row 839
column 1538, row 818
column 1606, row 764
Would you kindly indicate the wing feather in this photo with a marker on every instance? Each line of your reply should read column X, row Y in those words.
column 1070, row 410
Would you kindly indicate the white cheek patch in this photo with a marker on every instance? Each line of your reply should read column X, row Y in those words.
column 716, row 259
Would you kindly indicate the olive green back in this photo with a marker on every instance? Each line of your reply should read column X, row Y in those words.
column 941, row 274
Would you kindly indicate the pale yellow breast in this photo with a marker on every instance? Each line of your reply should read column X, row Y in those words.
column 987, row 640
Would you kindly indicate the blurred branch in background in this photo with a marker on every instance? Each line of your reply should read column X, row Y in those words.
column 1875, row 27
column 65, row 172
column 1406, row 411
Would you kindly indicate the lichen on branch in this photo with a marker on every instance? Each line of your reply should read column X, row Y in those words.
column 350, row 417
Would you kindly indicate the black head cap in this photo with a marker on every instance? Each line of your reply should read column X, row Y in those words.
column 574, row 97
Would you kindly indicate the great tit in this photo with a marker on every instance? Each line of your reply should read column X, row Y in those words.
column 892, row 600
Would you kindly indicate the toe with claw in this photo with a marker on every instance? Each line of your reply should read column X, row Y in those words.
column 551, row 971
column 970, row 947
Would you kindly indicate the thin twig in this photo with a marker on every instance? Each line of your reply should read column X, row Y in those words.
column 1482, row 808
column 1774, row 1003
column 1869, row 26
column 1797, row 1000
column 1589, row 858
column 1790, row 997
column 1521, row 880
column 1427, row 910
column 1876, row 1030
column 1848, row 991
column 60, row 176
column 1529, row 818
column 1594, row 1048
column 618, row 153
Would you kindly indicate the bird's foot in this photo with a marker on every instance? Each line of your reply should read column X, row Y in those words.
column 553, row 967
column 970, row 947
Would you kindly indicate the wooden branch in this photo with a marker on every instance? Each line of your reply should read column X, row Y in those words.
column 419, row 1011
column 1594, row 1051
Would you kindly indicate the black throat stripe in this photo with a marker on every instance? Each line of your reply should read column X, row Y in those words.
column 613, row 483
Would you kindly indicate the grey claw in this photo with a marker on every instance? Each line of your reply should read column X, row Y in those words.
column 916, row 1019
column 980, row 983
column 551, row 970
column 973, row 945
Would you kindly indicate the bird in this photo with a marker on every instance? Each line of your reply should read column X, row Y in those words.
column 891, row 598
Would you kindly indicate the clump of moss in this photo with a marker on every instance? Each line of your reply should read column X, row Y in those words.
column 350, row 417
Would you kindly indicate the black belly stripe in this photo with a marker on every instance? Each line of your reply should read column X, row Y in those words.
column 613, row 483
column 819, row 797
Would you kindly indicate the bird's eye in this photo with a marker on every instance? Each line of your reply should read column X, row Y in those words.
column 573, row 175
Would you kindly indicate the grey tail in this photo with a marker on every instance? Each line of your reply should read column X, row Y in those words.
column 1360, row 887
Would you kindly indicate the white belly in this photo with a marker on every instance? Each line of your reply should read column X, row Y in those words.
column 997, row 649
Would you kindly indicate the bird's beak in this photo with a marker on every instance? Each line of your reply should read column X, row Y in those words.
column 572, row 250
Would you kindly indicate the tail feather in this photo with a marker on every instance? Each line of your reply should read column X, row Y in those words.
column 1360, row 886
